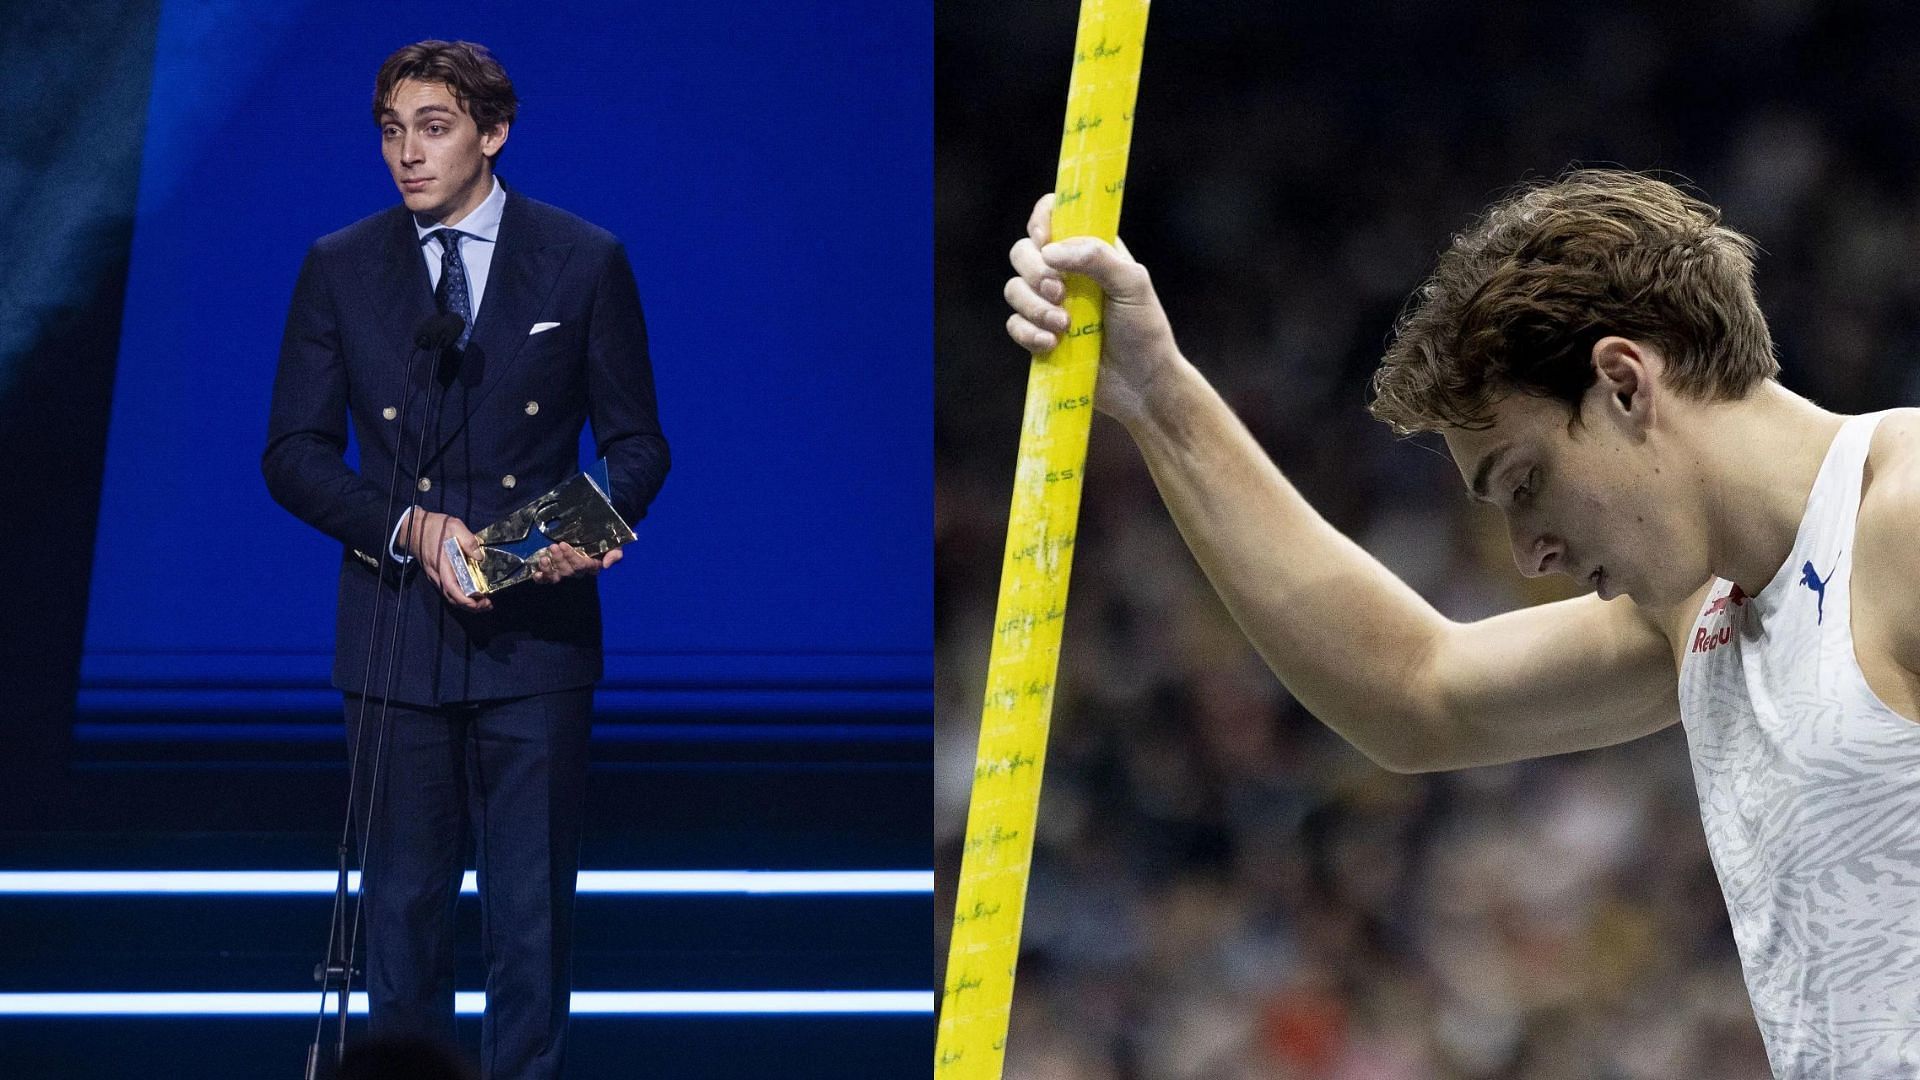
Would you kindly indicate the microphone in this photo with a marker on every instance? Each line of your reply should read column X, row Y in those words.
column 439, row 330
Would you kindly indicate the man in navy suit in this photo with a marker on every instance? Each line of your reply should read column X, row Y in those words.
column 485, row 703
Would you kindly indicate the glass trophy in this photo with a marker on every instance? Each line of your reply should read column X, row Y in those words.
column 577, row 512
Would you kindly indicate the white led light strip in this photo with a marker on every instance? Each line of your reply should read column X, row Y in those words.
column 472, row 1002
column 651, row 882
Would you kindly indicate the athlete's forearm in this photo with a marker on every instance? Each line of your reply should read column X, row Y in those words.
column 1349, row 639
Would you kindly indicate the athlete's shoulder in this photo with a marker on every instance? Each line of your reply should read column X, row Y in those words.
column 1890, row 487
column 366, row 234
column 554, row 225
column 1886, row 561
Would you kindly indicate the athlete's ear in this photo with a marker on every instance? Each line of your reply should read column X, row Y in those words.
column 1624, row 384
column 492, row 139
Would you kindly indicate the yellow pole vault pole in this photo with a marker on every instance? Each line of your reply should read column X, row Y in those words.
column 1039, row 556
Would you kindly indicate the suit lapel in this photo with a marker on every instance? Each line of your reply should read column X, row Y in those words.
column 402, row 293
column 523, row 274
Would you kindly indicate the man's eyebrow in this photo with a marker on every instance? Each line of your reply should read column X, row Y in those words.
column 1485, row 469
column 388, row 113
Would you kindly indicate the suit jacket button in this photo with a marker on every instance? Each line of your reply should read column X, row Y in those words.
column 533, row 408
column 389, row 412
column 426, row 484
column 508, row 481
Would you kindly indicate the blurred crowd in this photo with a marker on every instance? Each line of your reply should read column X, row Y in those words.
column 1221, row 888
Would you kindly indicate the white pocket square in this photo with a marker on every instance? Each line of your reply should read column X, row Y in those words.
column 541, row 328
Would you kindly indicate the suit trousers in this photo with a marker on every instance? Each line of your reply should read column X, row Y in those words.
column 504, row 779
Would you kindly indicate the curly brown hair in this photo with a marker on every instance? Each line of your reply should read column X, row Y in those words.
column 1520, row 297
column 471, row 74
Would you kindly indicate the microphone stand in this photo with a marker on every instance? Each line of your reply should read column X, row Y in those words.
column 337, row 971
column 435, row 384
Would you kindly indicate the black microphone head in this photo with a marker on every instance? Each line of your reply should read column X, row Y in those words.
column 439, row 330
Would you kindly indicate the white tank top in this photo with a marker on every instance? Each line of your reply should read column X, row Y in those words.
column 1809, row 788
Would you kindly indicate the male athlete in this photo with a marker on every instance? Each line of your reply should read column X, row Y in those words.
column 476, row 724
column 1592, row 353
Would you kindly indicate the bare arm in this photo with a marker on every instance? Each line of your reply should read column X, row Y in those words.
column 1358, row 647
column 1364, row 652
column 1886, row 566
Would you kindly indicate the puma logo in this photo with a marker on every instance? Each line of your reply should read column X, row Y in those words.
column 1819, row 586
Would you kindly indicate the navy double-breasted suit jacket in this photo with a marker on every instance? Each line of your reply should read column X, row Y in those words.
column 501, row 424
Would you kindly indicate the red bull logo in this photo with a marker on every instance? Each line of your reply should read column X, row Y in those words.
column 1720, row 604
column 1706, row 639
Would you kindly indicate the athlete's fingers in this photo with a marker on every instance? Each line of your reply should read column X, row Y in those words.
column 547, row 566
column 1032, row 266
column 574, row 562
column 1040, row 222
column 1118, row 276
column 1022, row 298
column 1028, row 336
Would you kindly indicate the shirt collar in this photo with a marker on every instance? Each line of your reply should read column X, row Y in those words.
column 482, row 224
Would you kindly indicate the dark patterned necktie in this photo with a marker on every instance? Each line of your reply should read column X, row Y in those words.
column 452, row 294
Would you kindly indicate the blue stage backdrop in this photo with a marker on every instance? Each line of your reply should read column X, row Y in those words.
column 768, row 167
